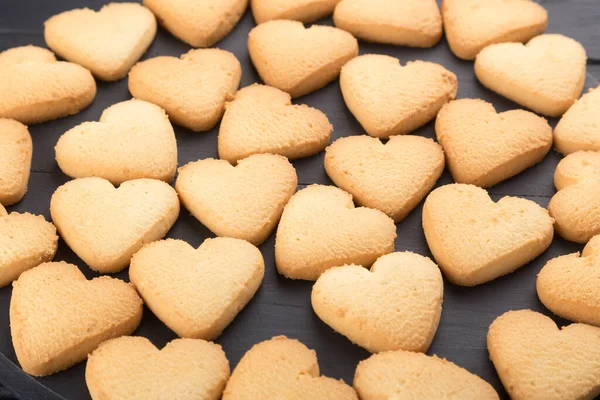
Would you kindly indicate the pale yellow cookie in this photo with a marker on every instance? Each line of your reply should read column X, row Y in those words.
column 392, row 177
column 579, row 128
column 197, row 292
column 262, row 119
column 395, row 306
column 408, row 375
column 2, row 211
column 471, row 25
column 296, row 59
column 243, row 202
column 415, row 23
column 16, row 150
column 475, row 240
column 130, row 367
column 320, row 229
column 282, row 368
column 107, row 42
column 388, row 98
column 546, row 75
column 537, row 361
column 105, row 226
column 483, row 147
column 297, row 10
column 35, row 88
column 58, row 317
column 191, row 89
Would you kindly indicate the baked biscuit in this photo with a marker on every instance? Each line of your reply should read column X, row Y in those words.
column 579, row 128
column 16, row 150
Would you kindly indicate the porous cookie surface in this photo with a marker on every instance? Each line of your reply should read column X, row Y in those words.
column 58, row 317
column 191, row 89
column 285, row 369
column 133, row 139
column 579, row 128
column 197, row 292
column 484, row 147
column 131, row 367
column 105, row 226
column 537, row 360
column 475, row 239
column 415, row 23
column 243, row 202
column 320, row 229
column 297, row 10
column 388, row 98
column 392, row 177
column 395, row 306
column 35, row 87
column 471, row 25
column 546, row 75
column 16, row 150
column 408, row 375
column 107, row 42
column 296, row 59
column 262, row 119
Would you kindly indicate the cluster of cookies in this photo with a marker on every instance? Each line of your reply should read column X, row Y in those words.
column 118, row 208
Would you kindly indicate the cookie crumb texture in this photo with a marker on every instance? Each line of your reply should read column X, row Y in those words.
column 16, row 150
column 579, row 128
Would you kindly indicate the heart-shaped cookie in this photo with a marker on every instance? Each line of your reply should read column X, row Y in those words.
column 131, row 367
column 296, row 59
column 243, row 202
column 199, row 23
column 16, row 150
column 579, row 128
column 392, row 177
column 58, row 317
column 282, row 368
column 297, row 10
column 197, row 292
column 191, row 89
column 475, row 240
column 415, row 23
column 537, row 361
column 471, row 25
column 546, row 75
column 390, row 99
column 105, row 226
column 26, row 241
column 107, row 42
column 262, row 119
column 484, row 147
column 35, row 88
column 400, row 302
column 133, row 139
column 320, row 229
column 408, row 375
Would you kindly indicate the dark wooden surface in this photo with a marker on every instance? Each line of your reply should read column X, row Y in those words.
column 281, row 306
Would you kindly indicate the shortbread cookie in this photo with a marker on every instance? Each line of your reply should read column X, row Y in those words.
column 546, row 75
column 26, row 241
column 471, row 25
column 475, row 239
column 296, row 59
column 392, row 177
column 415, row 23
column 296, row 10
column 130, row 367
column 35, row 88
column 107, row 42
column 16, row 150
column 243, row 202
column 2, row 211
column 58, row 317
column 262, row 119
column 283, row 368
column 399, row 302
column 484, row 147
column 388, row 98
column 197, row 292
column 134, row 139
column 537, row 361
column 407, row 375
column 105, row 226
column 579, row 128
column 191, row 89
